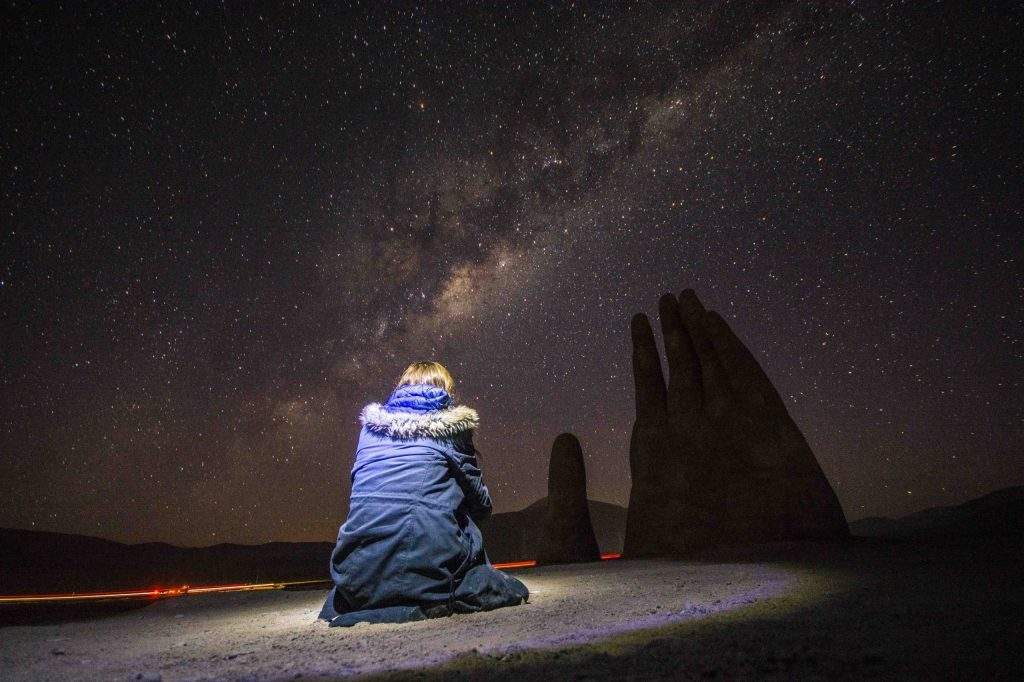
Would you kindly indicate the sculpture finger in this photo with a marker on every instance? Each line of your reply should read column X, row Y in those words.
column 567, row 474
column 713, row 379
column 746, row 377
column 647, row 377
column 684, row 389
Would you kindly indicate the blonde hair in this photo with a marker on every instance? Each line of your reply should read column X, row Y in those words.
column 433, row 373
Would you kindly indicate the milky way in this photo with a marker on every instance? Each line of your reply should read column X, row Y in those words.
column 226, row 227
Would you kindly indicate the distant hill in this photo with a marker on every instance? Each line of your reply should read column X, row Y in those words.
column 513, row 536
column 41, row 562
column 33, row 562
column 997, row 513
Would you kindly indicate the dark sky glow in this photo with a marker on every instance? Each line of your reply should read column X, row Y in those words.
column 227, row 226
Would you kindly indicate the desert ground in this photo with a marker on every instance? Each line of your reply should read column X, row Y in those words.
column 864, row 609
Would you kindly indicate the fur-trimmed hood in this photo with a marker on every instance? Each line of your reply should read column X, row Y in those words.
column 443, row 423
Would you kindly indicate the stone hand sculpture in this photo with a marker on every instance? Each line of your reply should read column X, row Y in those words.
column 568, row 533
column 714, row 455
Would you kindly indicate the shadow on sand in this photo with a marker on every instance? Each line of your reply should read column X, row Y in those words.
column 51, row 613
column 896, row 610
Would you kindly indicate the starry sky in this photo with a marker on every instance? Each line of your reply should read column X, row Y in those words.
column 226, row 226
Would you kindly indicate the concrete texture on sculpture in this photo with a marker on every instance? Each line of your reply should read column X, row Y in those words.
column 568, row 533
column 714, row 455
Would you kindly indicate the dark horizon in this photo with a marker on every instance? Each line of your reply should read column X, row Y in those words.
column 497, row 538
column 228, row 227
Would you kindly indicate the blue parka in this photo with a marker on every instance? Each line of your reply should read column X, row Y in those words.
column 410, row 548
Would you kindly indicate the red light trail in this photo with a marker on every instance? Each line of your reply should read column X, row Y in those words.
column 164, row 593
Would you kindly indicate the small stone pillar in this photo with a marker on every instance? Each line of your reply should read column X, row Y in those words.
column 568, row 535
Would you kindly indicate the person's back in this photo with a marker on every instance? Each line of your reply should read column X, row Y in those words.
column 410, row 547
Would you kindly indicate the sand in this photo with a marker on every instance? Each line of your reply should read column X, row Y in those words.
column 268, row 635
column 859, row 612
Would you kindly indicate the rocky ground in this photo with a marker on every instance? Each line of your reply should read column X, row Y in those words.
column 870, row 609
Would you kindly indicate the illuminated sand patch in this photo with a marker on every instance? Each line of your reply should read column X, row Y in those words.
column 275, row 635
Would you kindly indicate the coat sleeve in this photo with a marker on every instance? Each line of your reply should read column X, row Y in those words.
column 470, row 478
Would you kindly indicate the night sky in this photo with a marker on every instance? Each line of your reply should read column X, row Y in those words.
column 227, row 226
